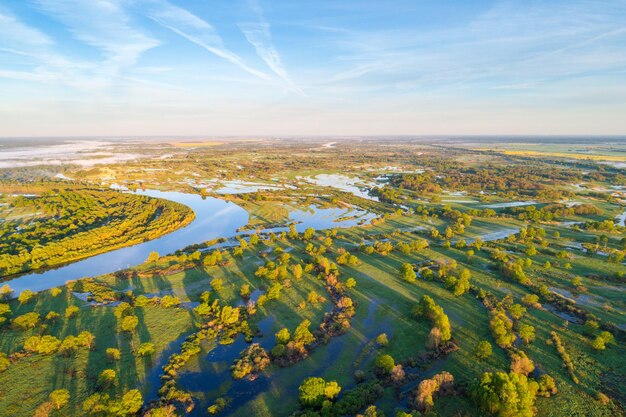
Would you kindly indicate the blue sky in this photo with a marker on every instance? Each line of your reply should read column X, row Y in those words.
column 288, row 67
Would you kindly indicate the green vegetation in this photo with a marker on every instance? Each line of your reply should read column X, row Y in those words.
column 449, row 300
column 73, row 222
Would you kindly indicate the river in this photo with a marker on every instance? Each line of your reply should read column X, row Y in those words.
column 214, row 218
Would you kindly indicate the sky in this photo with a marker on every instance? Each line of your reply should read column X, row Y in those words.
column 323, row 67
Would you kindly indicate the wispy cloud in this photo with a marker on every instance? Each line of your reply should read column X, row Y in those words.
column 258, row 35
column 14, row 34
column 198, row 31
column 102, row 24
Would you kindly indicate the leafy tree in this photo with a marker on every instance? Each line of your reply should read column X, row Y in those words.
column 408, row 273
column 603, row 338
column 113, row 354
column 107, row 378
column 26, row 321
column 146, row 349
column 526, row 332
column 153, row 257
column 297, row 271
column 283, row 336
column 59, row 398
column 505, row 395
column 314, row 391
column 217, row 284
column 483, row 349
column 26, row 296
column 517, row 311
column 382, row 339
column 71, row 311
column 44, row 345
column 384, row 364
column 302, row 335
column 502, row 329
column 129, row 324
column 350, row 283
column 132, row 401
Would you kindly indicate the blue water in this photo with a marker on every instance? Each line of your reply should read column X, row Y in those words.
column 214, row 218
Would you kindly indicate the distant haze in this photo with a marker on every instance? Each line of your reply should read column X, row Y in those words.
column 274, row 68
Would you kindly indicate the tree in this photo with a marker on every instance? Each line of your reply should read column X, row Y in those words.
column 504, row 395
column 517, row 311
column 502, row 329
column 314, row 391
column 603, row 338
column 302, row 335
column 26, row 321
column 384, row 364
column 26, row 296
column 129, row 324
column 229, row 315
column 59, row 398
column 462, row 285
column 297, row 271
column 483, row 349
column 382, row 339
column 308, row 233
column 408, row 273
column 350, row 283
column 217, row 284
column 71, row 311
column 113, row 354
column 152, row 257
column 107, row 378
column 132, row 401
column 526, row 332
column 146, row 349
column 44, row 345
column 283, row 336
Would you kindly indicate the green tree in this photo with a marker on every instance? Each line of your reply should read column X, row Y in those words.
column 59, row 398
column 146, row 349
column 483, row 349
column 129, row 324
column 283, row 336
column 26, row 296
column 505, row 395
column 384, row 364
column 302, row 335
column 314, row 391
column 152, row 257
column 408, row 273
